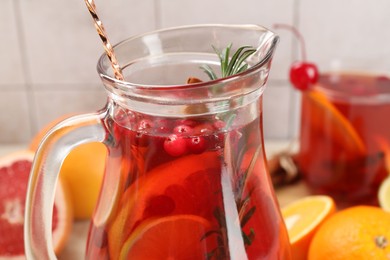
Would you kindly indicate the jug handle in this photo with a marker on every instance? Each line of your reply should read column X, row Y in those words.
column 56, row 145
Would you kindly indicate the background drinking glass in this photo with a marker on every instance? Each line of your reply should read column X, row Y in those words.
column 344, row 133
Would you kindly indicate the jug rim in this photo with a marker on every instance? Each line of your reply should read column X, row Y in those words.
column 272, row 38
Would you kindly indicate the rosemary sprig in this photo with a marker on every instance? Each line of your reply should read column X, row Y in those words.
column 230, row 66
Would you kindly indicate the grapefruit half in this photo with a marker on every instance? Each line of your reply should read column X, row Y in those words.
column 14, row 174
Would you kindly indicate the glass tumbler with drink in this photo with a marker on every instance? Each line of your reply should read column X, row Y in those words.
column 344, row 135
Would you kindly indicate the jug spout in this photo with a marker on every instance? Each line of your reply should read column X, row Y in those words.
column 266, row 46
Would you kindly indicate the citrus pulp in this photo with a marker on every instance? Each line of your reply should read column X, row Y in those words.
column 303, row 218
column 179, row 237
column 14, row 174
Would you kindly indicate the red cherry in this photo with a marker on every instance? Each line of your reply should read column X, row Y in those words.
column 303, row 75
column 175, row 145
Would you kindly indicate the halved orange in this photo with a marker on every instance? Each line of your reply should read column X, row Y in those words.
column 184, row 186
column 327, row 120
column 303, row 217
column 173, row 237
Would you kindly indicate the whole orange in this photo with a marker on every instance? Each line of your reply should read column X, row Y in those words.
column 82, row 170
column 359, row 232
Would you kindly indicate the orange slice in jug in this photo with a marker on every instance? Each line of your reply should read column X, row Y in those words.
column 339, row 130
column 183, row 186
column 173, row 237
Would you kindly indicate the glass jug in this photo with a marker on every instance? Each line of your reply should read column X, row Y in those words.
column 186, row 174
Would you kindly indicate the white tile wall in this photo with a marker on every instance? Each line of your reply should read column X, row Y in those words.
column 49, row 50
column 11, row 68
column 351, row 34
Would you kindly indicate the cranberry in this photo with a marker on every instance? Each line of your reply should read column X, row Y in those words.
column 141, row 139
column 187, row 122
column 203, row 129
column 162, row 126
column 303, row 75
column 175, row 145
column 145, row 124
column 218, row 140
column 182, row 130
column 197, row 144
column 123, row 116
column 219, row 124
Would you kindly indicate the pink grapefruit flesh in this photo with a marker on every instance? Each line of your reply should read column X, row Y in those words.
column 14, row 175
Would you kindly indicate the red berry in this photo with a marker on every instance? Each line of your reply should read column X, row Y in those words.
column 203, row 129
column 219, row 124
column 162, row 126
column 145, row 124
column 197, row 144
column 188, row 122
column 182, row 130
column 175, row 145
column 303, row 75
column 141, row 139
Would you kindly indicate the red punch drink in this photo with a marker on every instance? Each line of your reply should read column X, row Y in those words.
column 345, row 136
column 189, row 174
